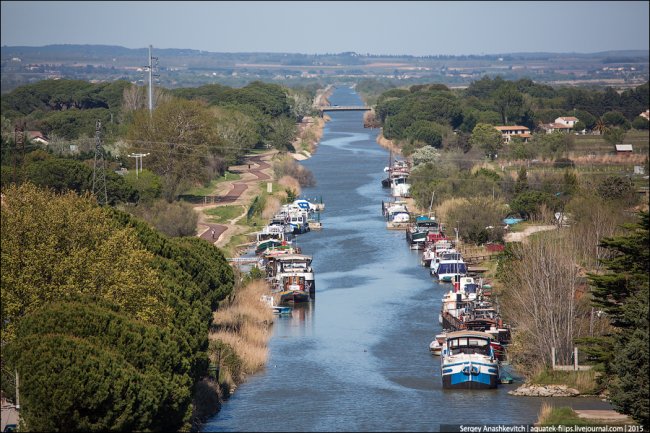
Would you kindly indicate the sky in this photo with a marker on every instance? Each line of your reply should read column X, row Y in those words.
column 378, row 27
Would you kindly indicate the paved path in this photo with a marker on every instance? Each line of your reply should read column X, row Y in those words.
column 520, row 236
column 603, row 415
column 254, row 165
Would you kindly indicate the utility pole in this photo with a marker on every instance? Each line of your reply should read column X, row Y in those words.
column 17, row 390
column 138, row 156
column 99, row 179
column 150, row 68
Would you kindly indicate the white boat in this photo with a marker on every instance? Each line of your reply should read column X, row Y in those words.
column 295, row 216
column 468, row 361
column 436, row 345
column 397, row 215
column 449, row 268
column 399, row 186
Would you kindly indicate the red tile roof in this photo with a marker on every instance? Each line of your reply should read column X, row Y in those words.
column 512, row 128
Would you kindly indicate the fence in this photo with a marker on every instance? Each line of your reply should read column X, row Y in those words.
column 574, row 367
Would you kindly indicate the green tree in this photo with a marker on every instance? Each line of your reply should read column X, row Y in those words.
column 488, row 138
column 86, row 367
column 522, row 181
column 616, row 119
column 640, row 123
column 177, row 136
column 148, row 184
column 529, row 203
column 617, row 188
column 509, row 102
column 425, row 131
column 283, row 131
column 614, row 135
column 622, row 293
column 56, row 246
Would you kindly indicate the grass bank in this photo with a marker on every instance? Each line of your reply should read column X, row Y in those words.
column 583, row 381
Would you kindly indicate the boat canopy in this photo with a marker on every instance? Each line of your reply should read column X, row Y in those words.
column 452, row 268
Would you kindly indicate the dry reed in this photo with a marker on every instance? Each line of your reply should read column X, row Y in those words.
column 290, row 183
column 243, row 324
column 443, row 209
column 544, row 412
column 271, row 207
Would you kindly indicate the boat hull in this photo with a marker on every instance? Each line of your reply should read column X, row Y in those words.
column 466, row 375
column 294, row 297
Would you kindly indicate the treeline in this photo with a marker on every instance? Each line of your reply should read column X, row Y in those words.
column 190, row 139
column 104, row 319
column 428, row 113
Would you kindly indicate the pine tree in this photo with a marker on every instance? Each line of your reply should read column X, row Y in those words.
column 622, row 293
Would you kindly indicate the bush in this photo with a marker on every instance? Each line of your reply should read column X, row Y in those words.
column 175, row 219
column 85, row 367
column 287, row 166
column 563, row 163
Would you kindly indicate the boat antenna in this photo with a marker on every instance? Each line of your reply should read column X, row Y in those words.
column 431, row 203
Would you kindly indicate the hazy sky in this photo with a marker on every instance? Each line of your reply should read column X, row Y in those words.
column 417, row 28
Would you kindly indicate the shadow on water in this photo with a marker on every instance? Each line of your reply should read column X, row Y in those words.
column 357, row 358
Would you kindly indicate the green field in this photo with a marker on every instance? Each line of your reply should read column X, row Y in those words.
column 595, row 144
column 223, row 214
column 211, row 188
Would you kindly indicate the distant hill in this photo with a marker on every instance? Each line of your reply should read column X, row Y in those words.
column 70, row 52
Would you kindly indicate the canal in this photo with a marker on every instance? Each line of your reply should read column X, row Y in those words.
column 357, row 358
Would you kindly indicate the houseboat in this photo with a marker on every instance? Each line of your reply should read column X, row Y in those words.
column 468, row 361
column 416, row 233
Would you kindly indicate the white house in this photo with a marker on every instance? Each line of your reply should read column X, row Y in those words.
column 562, row 124
column 516, row 130
column 645, row 114
column 567, row 121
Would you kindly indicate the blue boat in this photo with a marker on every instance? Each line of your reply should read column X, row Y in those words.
column 468, row 361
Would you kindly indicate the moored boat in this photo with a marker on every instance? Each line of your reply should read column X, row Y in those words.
column 416, row 233
column 468, row 361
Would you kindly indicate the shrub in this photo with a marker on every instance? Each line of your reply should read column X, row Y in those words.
column 563, row 163
column 287, row 166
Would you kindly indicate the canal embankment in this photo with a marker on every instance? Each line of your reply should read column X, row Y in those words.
column 241, row 326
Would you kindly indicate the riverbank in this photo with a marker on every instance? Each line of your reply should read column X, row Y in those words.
column 242, row 324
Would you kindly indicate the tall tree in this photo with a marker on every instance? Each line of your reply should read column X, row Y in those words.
column 488, row 138
column 509, row 102
column 622, row 293
column 57, row 246
column 177, row 136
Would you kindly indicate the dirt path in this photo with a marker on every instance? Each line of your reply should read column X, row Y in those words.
column 254, row 170
column 521, row 236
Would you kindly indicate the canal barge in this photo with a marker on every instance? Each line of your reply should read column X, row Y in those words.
column 468, row 361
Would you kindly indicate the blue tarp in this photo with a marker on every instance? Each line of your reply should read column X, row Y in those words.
column 512, row 221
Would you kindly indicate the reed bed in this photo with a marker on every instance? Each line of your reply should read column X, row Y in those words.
column 243, row 324
column 290, row 183
column 545, row 411
column 271, row 207
column 443, row 209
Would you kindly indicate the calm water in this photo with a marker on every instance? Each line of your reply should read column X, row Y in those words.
column 357, row 359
